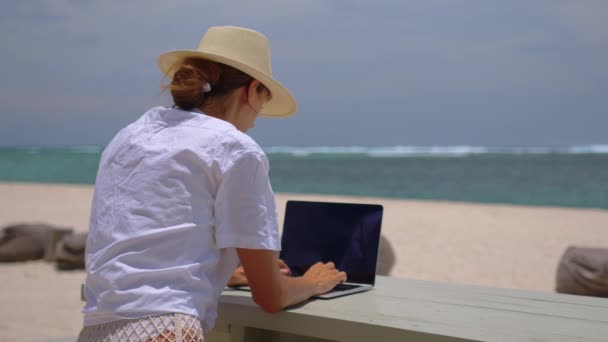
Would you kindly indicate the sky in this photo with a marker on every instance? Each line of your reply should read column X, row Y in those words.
column 366, row 73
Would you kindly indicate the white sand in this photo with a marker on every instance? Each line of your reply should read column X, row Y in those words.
column 491, row 245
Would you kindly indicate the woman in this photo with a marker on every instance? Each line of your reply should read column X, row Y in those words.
column 182, row 196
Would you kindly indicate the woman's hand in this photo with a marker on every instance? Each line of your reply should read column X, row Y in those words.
column 283, row 268
column 324, row 277
column 239, row 277
column 272, row 291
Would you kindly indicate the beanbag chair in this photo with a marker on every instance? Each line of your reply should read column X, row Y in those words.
column 70, row 252
column 24, row 242
column 583, row 271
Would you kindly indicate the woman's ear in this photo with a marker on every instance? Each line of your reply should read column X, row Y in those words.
column 252, row 90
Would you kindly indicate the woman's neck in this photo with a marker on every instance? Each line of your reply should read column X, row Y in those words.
column 227, row 112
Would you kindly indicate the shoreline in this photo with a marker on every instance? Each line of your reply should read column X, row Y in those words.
column 492, row 245
column 356, row 198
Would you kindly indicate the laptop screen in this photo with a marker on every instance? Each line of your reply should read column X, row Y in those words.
column 345, row 233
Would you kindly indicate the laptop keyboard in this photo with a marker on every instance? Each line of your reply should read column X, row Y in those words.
column 344, row 287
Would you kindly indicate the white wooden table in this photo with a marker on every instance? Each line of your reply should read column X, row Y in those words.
column 412, row 310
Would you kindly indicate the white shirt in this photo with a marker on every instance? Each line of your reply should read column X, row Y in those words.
column 175, row 194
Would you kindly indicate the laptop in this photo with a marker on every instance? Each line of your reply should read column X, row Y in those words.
column 347, row 234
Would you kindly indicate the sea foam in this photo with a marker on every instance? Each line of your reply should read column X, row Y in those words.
column 432, row 151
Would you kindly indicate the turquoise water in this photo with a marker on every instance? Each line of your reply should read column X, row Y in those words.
column 574, row 177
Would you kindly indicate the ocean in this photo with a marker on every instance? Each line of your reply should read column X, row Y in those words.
column 568, row 177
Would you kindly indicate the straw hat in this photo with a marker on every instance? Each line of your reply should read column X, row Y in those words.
column 245, row 50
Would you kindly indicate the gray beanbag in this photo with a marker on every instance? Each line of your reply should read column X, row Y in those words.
column 583, row 271
column 69, row 254
column 386, row 257
column 24, row 242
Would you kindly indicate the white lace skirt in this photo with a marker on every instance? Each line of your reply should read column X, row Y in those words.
column 172, row 327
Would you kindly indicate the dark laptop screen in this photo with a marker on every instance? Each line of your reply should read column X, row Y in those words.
column 347, row 234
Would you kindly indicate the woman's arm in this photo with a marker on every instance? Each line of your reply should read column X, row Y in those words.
column 273, row 291
column 239, row 278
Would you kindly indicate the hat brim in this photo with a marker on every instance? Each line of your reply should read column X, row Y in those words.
column 282, row 103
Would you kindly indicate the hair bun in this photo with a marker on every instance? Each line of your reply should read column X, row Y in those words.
column 187, row 87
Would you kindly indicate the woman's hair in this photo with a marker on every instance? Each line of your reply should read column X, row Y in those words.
column 192, row 74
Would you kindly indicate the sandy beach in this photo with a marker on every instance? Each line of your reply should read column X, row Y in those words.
column 489, row 245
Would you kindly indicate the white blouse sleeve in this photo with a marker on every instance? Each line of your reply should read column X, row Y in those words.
column 245, row 208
